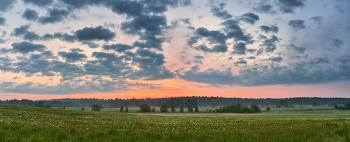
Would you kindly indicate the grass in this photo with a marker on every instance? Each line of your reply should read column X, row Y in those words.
column 22, row 123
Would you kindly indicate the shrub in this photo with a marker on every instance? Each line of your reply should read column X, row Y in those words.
column 196, row 109
column 190, row 109
column 145, row 108
column 172, row 108
column 126, row 109
column 121, row 109
column 268, row 108
column 153, row 109
column 96, row 107
column 181, row 109
column 39, row 104
column 164, row 108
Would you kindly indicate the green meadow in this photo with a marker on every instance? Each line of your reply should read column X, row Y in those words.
column 23, row 123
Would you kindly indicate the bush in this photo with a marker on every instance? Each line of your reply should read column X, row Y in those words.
column 190, row 109
column 172, row 108
column 268, row 108
column 164, row 108
column 343, row 107
column 181, row 109
column 238, row 109
column 126, row 109
column 145, row 108
column 96, row 107
column 39, row 104
column 153, row 109
column 121, row 109
column 255, row 108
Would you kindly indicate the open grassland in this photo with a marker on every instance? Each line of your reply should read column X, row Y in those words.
column 21, row 123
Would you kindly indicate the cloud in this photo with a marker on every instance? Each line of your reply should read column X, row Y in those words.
column 220, row 13
column 276, row 59
column 250, row 18
column 299, row 49
column 317, row 19
column 73, row 56
column 98, row 33
column 40, row 3
column 241, row 62
column 186, row 21
column 54, row 16
column 30, row 15
column 267, row 29
column 2, row 21
column 64, row 37
column 215, row 37
column 91, row 44
column 217, row 48
column 344, row 59
column 240, row 48
column 265, row 8
column 270, row 44
column 288, row 6
column 7, row 5
column 23, row 32
column 251, row 57
column 26, row 47
column 5, row 50
column 233, row 30
column 297, row 24
column 118, row 47
column 192, row 40
column 337, row 42
column 299, row 73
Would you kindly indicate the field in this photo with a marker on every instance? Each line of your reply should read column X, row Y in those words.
column 22, row 123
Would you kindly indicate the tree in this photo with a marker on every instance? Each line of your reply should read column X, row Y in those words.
column 39, row 104
column 172, row 108
column 255, row 108
column 196, row 109
column 268, row 108
column 145, row 108
column 82, row 108
column 121, row 109
column 96, row 107
column 190, row 109
column 164, row 108
column 153, row 109
column 126, row 109
column 181, row 109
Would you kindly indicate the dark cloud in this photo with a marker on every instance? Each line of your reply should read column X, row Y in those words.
column 159, row 58
column 240, row 48
column 217, row 48
column 151, row 23
column 54, row 16
column 251, row 57
column 98, row 33
column 186, row 21
column 299, row 49
column 91, row 44
column 118, row 47
column 192, row 40
column 297, row 24
column 30, row 15
column 266, row 29
column 319, row 61
column 7, row 5
column 288, row 6
column 73, row 56
column 276, row 59
column 241, row 62
column 337, row 42
column 130, row 8
column 215, row 37
column 233, row 30
column 250, row 18
column 64, row 37
column 317, row 19
column 26, row 47
column 2, row 21
column 270, row 44
column 23, row 32
column 220, row 13
column 41, row 3
column 252, row 50
column 5, row 50
column 265, row 8
column 150, row 40
column 198, row 57
column 345, row 59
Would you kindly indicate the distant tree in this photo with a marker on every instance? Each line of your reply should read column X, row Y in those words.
column 343, row 107
column 164, row 108
column 126, row 109
column 96, row 107
column 48, row 105
column 255, row 108
column 315, row 103
column 121, row 109
column 153, row 109
column 268, row 108
column 181, row 109
column 82, row 108
column 145, row 108
column 190, row 109
column 39, row 104
column 196, row 109
column 172, row 108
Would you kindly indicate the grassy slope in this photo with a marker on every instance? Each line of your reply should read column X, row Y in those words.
column 21, row 123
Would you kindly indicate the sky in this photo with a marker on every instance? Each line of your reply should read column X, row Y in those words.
column 52, row 49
